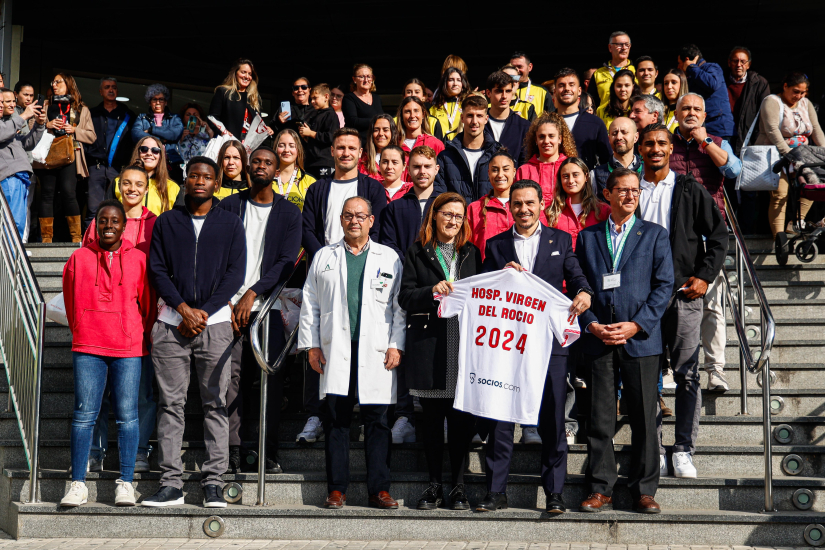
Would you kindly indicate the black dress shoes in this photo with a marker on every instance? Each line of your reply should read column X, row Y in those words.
column 555, row 504
column 458, row 498
column 493, row 502
column 432, row 497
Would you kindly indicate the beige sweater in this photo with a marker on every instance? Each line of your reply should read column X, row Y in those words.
column 769, row 132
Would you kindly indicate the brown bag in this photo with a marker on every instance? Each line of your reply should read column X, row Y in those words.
column 61, row 153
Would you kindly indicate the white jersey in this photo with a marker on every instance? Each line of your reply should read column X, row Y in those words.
column 508, row 320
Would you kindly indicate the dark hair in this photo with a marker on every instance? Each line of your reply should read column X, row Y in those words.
column 742, row 49
column 341, row 132
column 475, row 101
column 244, row 161
column 425, row 117
column 416, row 81
column 202, row 160
column 193, row 105
column 498, row 78
column 519, row 53
column 305, row 79
column 440, row 96
column 370, row 151
column 114, row 203
column 614, row 107
column 620, row 172
column 646, row 58
column 393, row 147
column 264, row 148
column 566, row 71
column 357, row 198
column 689, row 52
column 527, row 184
column 136, row 166
column 503, row 152
column 22, row 84
column 655, row 127
column 795, row 78
column 5, row 90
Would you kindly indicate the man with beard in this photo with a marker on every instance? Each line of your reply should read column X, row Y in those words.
column 588, row 130
column 273, row 241
column 623, row 136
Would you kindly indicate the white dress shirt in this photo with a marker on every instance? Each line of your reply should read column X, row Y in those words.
column 527, row 247
column 656, row 200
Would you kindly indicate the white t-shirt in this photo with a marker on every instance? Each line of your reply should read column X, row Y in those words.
column 577, row 209
column 393, row 190
column 254, row 224
column 504, row 201
column 339, row 192
column 409, row 143
column 472, row 157
column 507, row 321
column 197, row 221
column 423, row 204
column 496, row 126
column 570, row 120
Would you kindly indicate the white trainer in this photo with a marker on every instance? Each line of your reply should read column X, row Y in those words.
column 571, row 437
column 663, row 466
column 124, row 493
column 403, row 431
column 141, row 463
column 530, row 435
column 668, row 382
column 76, row 495
column 717, row 381
column 683, row 465
column 313, row 431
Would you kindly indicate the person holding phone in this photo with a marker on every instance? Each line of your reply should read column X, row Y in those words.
column 297, row 111
column 196, row 132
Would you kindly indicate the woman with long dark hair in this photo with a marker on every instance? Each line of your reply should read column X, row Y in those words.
column 622, row 89
column 383, row 133
column 234, row 164
column 452, row 89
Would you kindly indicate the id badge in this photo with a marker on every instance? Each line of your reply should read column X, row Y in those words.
column 378, row 283
column 611, row 280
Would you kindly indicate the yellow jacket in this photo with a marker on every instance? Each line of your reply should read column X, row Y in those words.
column 601, row 112
column 603, row 77
column 298, row 192
column 226, row 191
column 152, row 199
column 533, row 94
column 670, row 120
column 525, row 109
column 443, row 113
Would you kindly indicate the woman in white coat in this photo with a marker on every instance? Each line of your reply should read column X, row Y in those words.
column 353, row 327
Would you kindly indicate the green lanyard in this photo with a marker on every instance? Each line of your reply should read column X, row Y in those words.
column 618, row 254
column 444, row 264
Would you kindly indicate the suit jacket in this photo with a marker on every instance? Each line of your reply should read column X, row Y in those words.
column 591, row 140
column 556, row 263
column 646, row 267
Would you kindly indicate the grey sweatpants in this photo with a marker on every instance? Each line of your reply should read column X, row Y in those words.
column 173, row 354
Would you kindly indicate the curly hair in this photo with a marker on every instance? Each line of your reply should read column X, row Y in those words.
column 155, row 89
column 568, row 144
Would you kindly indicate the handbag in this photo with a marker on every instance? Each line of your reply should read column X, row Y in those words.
column 61, row 153
column 757, row 161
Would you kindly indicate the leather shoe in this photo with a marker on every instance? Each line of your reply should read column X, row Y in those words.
column 596, row 502
column 646, row 505
column 555, row 504
column 336, row 499
column 383, row 500
column 493, row 502
column 666, row 411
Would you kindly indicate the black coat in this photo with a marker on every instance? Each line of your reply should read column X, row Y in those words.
column 755, row 90
column 425, row 359
column 592, row 144
column 512, row 136
column 401, row 221
column 102, row 120
column 454, row 169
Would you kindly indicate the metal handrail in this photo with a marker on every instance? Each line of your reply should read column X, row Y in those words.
column 22, row 322
column 748, row 361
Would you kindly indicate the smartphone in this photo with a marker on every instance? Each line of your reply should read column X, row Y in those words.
column 285, row 108
column 192, row 125
column 40, row 100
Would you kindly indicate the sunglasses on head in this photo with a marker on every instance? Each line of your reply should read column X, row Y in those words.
column 300, row 87
column 145, row 149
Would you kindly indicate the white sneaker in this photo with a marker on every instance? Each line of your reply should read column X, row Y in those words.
column 124, row 493
column 141, row 463
column 663, row 466
column 571, row 437
column 683, row 465
column 95, row 464
column 717, row 381
column 77, row 494
column 668, row 382
column 313, row 431
column 530, row 435
column 478, row 441
column 403, row 431
column 417, row 405
column 445, row 430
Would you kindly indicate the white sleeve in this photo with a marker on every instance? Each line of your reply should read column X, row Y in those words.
column 309, row 329
column 452, row 305
column 399, row 316
column 558, row 306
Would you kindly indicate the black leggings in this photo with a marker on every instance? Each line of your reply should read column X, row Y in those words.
column 459, row 434
column 66, row 180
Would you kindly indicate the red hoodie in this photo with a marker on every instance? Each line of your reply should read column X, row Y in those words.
column 138, row 231
column 109, row 307
column 498, row 220
column 405, row 186
column 570, row 223
column 543, row 173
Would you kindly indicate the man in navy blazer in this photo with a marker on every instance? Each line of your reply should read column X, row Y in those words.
column 622, row 333
column 548, row 254
column 588, row 130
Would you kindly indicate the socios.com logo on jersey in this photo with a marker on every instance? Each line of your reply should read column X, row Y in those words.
column 472, row 377
column 493, row 383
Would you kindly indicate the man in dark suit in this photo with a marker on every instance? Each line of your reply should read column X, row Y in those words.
column 588, row 130
column 548, row 254
column 629, row 262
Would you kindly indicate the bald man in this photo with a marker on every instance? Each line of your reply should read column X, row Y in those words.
column 623, row 136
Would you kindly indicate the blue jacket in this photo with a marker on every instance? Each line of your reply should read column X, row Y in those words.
column 282, row 239
column 555, row 270
column 315, row 210
column 454, row 170
column 207, row 276
column 512, row 136
column 401, row 221
column 646, row 270
column 592, row 144
column 168, row 133
column 708, row 80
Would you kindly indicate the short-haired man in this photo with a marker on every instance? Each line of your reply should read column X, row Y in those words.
column 541, row 99
column 623, row 135
column 599, row 86
column 196, row 281
column 318, row 132
column 462, row 165
column 588, row 129
column 112, row 149
column 699, row 243
column 354, row 329
column 646, row 74
column 503, row 124
column 646, row 110
column 272, row 226
column 15, row 166
column 708, row 80
column 629, row 261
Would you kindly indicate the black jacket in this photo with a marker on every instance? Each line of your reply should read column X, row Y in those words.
column 358, row 114
column 317, row 150
column 755, row 90
column 425, row 359
column 104, row 121
column 230, row 109
column 512, row 136
column 401, row 221
column 454, row 169
column 298, row 113
column 592, row 144
column 282, row 239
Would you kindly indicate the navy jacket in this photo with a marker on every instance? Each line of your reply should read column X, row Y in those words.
column 512, row 136
column 646, row 283
column 315, row 209
column 205, row 276
column 106, row 124
column 592, row 144
column 555, row 270
column 708, row 80
column 401, row 221
column 454, row 170
column 282, row 239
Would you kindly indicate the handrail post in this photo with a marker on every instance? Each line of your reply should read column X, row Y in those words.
column 35, row 451
column 743, row 373
column 766, row 428
column 262, row 419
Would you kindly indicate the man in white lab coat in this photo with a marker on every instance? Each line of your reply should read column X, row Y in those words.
column 353, row 327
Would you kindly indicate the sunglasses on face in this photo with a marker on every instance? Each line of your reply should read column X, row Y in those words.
column 300, row 87
column 145, row 149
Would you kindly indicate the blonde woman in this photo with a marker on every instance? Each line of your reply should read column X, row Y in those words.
column 162, row 191
column 236, row 101
column 362, row 104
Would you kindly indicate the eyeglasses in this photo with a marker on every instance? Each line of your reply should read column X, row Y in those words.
column 740, row 61
column 458, row 218
column 300, row 87
column 145, row 149
column 623, row 192
column 53, row 82
column 360, row 218
column 621, row 45
column 364, row 76
column 158, row 100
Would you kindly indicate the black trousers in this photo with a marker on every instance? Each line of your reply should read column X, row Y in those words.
column 100, row 178
column 640, row 396
column 459, row 434
column 65, row 179
column 377, row 437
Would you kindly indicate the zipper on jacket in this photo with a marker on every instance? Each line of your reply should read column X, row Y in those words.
column 195, row 270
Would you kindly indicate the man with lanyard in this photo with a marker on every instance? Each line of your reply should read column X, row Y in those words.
column 599, row 86
column 112, row 149
column 541, row 99
column 623, row 136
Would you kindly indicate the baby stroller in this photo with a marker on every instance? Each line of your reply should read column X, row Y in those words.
column 807, row 181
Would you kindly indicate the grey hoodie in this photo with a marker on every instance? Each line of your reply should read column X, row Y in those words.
column 13, row 145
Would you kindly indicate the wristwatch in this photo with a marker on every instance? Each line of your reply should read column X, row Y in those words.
column 586, row 291
column 707, row 141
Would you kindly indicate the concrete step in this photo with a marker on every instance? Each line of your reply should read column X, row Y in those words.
column 786, row 329
column 803, row 272
column 774, row 290
column 808, row 402
column 788, row 376
column 764, row 256
column 40, row 250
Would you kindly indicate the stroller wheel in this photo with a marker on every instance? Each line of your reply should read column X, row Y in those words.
column 806, row 251
column 781, row 248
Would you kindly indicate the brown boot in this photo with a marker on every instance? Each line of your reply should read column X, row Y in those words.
column 46, row 229
column 74, row 228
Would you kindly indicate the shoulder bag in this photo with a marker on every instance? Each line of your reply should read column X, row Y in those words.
column 757, row 160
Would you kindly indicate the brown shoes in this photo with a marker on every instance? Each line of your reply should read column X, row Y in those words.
column 597, row 502
column 666, row 411
column 336, row 499
column 646, row 505
column 383, row 500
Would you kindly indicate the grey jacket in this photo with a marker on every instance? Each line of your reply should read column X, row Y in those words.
column 13, row 145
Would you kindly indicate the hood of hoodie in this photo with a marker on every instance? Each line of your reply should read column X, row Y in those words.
column 109, row 272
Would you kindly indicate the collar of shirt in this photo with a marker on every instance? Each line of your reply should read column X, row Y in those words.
column 634, row 164
column 520, row 237
column 613, row 227
column 670, row 179
column 364, row 249
column 741, row 80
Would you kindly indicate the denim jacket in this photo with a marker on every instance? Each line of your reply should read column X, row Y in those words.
column 168, row 133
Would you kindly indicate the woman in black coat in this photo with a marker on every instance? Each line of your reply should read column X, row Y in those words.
column 442, row 254
column 361, row 104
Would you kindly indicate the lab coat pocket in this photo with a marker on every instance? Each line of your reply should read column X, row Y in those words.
column 326, row 328
column 381, row 295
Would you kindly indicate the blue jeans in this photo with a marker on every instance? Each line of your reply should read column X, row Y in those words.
column 147, row 414
column 91, row 373
column 17, row 192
